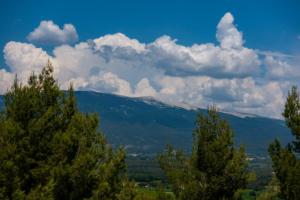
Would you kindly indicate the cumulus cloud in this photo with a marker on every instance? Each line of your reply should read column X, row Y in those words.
column 281, row 69
column 143, row 88
column 227, row 34
column 110, row 83
column 118, row 40
column 49, row 33
column 229, row 94
column 6, row 80
column 229, row 74
column 23, row 58
column 207, row 59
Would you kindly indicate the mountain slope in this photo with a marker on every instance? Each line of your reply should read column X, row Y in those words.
column 145, row 126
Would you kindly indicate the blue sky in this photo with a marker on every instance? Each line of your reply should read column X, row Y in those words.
column 263, row 55
column 269, row 24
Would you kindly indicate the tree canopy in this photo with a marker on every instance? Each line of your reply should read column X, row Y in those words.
column 50, row 150
column 215, row 170
column 286, row 162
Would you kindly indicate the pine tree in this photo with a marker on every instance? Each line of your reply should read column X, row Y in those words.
column 215, row 170
column 271, row 191
column 286, row 162
column 50, row 150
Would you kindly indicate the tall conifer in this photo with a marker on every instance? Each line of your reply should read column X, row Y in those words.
column 50, row 150
column 215, row 170
column 286, row 161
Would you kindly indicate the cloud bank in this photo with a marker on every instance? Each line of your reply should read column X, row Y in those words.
column 236, row 78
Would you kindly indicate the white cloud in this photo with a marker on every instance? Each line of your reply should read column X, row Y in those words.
column 229, row 74
column 205, row 59
column 110, row 83
column 6, row 80
column 23, row 58
column 281, row 69
column 227, row 34
column 144, row 89
column 49, row 33
column 118, row 40
column 243, row 95
column 275, row 54
column 76, row 62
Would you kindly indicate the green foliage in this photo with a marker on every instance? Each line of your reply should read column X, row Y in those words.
column 162, row 194
column 151, row 193
column 286, row 163
column 146, row 194
column 50, row 150
column 272, row 190
column 215, row 170
column 292, row 116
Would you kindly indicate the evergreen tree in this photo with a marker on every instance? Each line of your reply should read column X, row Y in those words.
column 286, row 162
column 215, row 170
column 50, row 150
column 271, row 191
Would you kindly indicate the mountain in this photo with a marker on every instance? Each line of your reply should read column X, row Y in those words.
column 145, row 126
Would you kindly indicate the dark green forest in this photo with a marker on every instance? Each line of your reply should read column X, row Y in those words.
column 50, row 149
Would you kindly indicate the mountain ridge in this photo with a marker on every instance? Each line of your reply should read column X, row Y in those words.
column 145, row 125
column 153, row 100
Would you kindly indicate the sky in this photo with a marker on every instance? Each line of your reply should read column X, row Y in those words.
column 242, row 55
